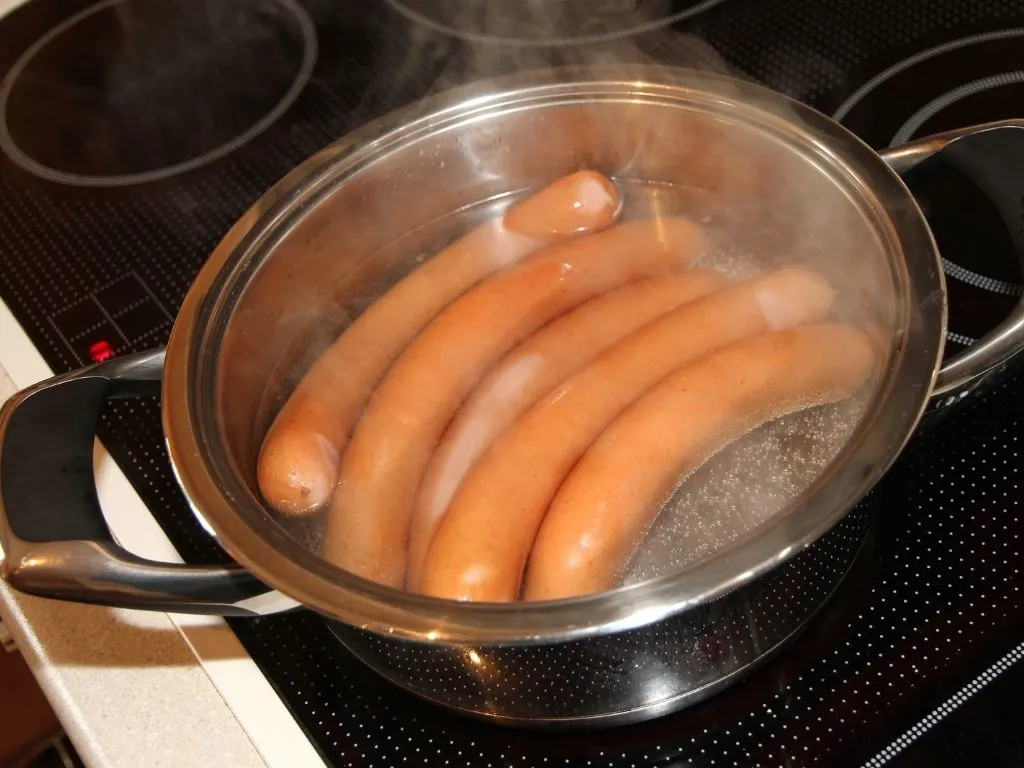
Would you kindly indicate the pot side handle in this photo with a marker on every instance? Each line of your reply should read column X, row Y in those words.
column 56, row 543
column 960, row 375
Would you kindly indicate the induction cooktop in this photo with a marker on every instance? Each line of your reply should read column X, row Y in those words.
column 133, row 133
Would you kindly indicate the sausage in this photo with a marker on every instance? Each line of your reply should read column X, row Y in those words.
column 532, row 369
column 610, row 499
column 589, row 191
column 368, row 523
column 298, row 462
column 481, row 545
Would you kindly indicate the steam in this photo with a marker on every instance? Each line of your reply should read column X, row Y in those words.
column 756, row 221
column 762, row 210
column 502, row 38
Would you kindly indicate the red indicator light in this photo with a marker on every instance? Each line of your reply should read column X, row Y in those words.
column 101, row 351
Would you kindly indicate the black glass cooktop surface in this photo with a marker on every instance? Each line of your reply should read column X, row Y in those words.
column 133, row 133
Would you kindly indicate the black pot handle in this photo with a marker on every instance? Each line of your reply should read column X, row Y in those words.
column 999, row 146
column 56, row 543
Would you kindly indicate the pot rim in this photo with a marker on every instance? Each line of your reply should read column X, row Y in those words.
column 285, row 564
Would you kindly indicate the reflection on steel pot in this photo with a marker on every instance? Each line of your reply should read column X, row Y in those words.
column 768, row 175
column 631, row 675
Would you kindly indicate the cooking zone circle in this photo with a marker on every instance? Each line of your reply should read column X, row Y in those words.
column 966, row 80
column 547, row 23
column 151, row 89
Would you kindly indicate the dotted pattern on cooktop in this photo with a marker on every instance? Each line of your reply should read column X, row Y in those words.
column 91, row 272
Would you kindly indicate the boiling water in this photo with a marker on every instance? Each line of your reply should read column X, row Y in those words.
column 759, row 475
column 742, row 487
column 745, row 485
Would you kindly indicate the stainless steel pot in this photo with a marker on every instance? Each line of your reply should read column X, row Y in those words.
column 344, row 226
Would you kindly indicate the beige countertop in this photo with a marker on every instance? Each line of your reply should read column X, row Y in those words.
column 125, row 684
